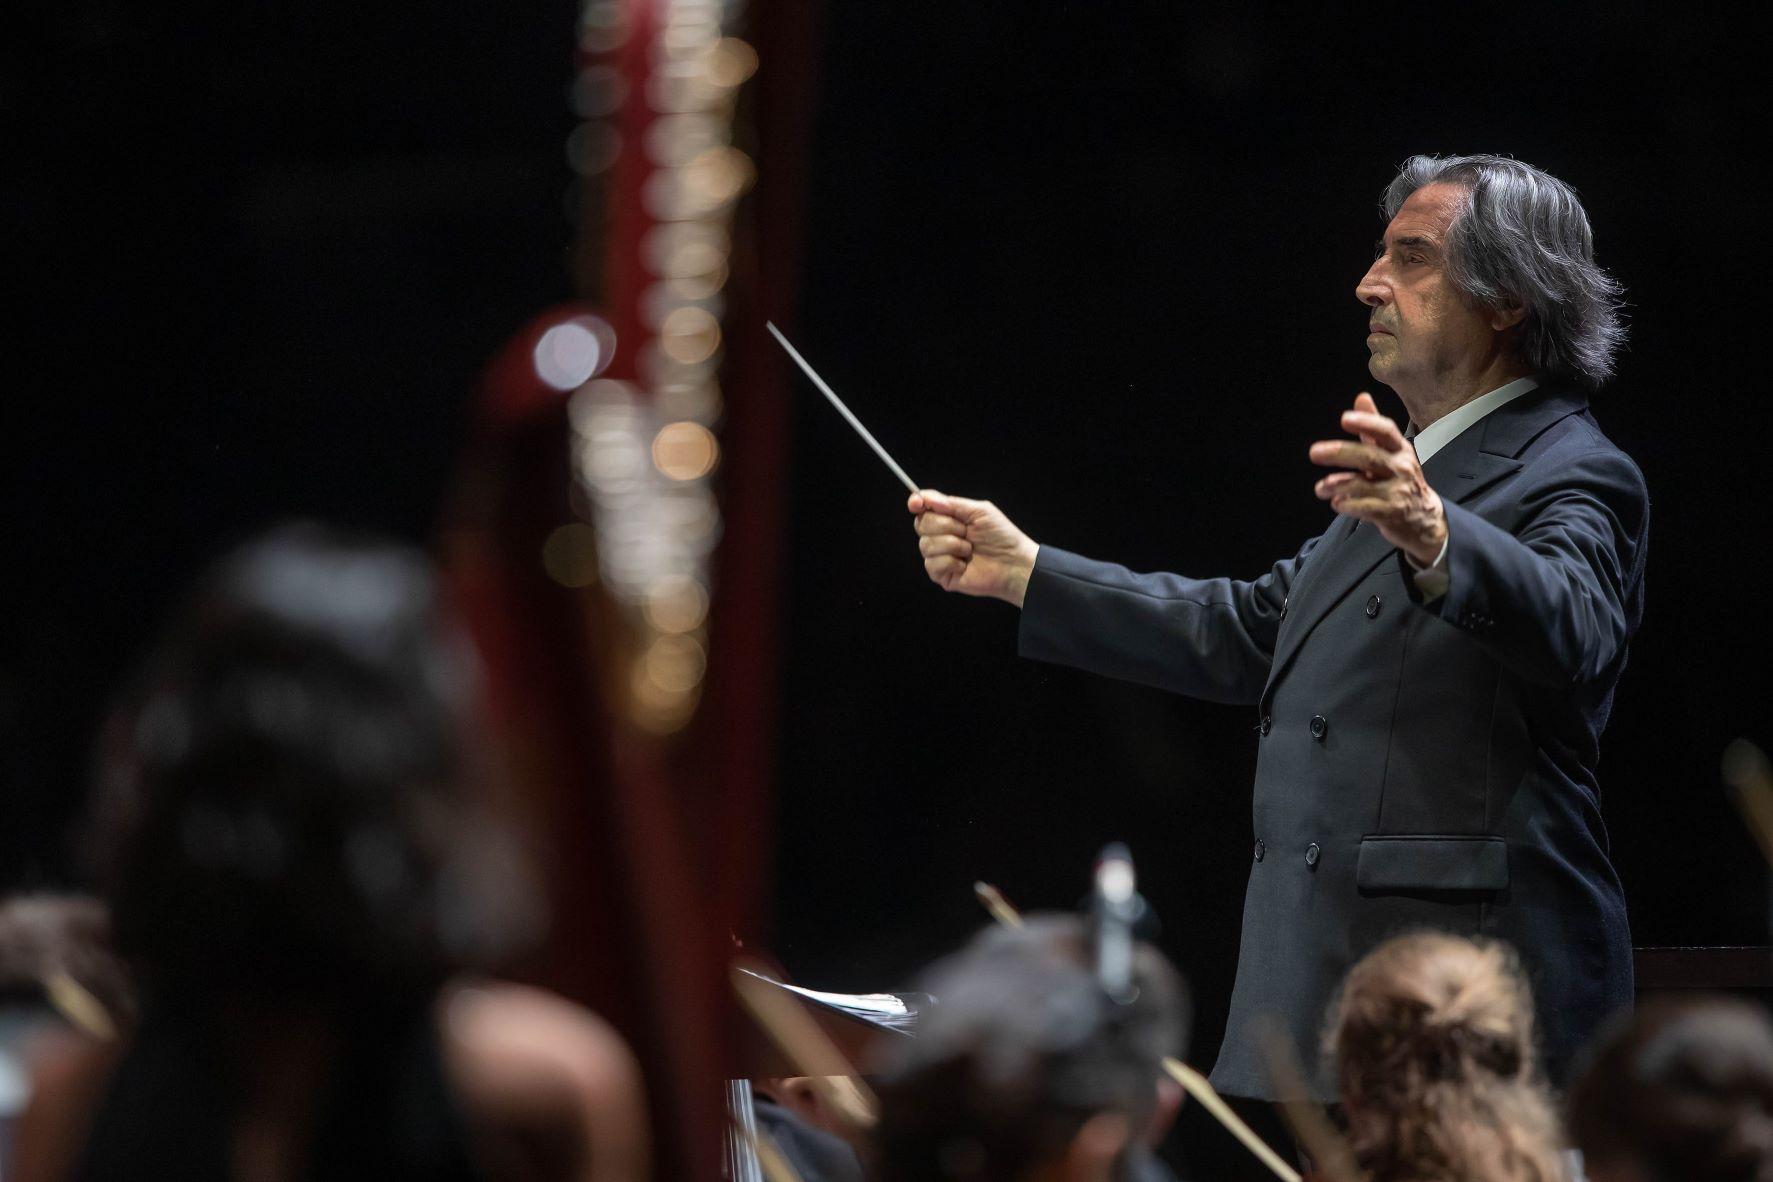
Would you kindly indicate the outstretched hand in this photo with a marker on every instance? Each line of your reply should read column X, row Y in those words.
column 971, row 547
column 1385, row 484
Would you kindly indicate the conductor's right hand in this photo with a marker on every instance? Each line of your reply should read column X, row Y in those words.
column 971, row 547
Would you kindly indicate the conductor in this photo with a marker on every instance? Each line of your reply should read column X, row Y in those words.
column 1431, row 674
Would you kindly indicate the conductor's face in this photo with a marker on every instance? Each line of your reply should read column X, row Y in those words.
column 1422, row 332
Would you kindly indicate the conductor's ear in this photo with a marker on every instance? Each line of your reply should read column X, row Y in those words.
column 1507, row 316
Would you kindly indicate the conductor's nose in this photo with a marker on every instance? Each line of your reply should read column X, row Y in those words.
column 1371, row 290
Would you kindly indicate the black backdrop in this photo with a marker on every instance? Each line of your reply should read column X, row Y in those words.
column 258, row 255
column 1096, row 263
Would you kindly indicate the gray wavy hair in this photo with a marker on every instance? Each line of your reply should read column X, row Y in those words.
column 1522, row 238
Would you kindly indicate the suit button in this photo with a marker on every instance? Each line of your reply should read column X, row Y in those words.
column 1312, row 853
column 1372, row 606
column 1266, row 725
column 1260, row 849
column 1319, row 725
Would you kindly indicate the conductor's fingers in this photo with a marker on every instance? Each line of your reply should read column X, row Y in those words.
column 929, row 500
column 964, row 508
column 935, row 523
column 1345, row 484
column 1366, row 508
column 944, row 569
column 1345, row 453
column 933, row 547
column 1374, row 426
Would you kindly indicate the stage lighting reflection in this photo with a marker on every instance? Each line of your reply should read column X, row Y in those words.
column 657, row 710
column 677, row 605
column 685, row 248
column 690, row 335
column 730, row 63
column 698, row 400
column 598, row 91
column 592, row 147
column 685, row 451
column 602, row 27
column 674, row 140
column 679, row 87
column 644, row 454
column 610, row 464
column 698, row 286
column 675, row 663
column 570, row 555
column 691, row 36
column 718, row 176
column 569, row 354
column 586, row 407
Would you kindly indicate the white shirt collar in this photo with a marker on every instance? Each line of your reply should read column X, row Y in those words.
column 1454, row 423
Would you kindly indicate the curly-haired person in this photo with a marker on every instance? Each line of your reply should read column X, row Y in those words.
column 1432, row 1043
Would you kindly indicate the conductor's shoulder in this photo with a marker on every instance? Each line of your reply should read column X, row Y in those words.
column 1576, row 450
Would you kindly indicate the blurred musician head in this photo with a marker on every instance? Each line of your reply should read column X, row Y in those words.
column 1433, row 1046
column 1025, row 1067
column 301, row 860
column 1679, row 1092
column 286, row 803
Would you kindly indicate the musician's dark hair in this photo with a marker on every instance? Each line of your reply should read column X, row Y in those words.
column 291, row 831
column 1020, row 1048
column 1432, row 1042
column 1680, row 1091
column 288, row 796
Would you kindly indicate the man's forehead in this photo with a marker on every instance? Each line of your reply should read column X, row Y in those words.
column 1426, row 213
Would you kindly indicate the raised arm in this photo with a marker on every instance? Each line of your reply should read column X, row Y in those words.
column 1553, row 599
column 1208, row 638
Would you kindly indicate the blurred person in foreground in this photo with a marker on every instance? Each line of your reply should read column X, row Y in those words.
column 302, row 865
column 816, row 1141
column 1432, row 1046
column 53, row 946
column 1024, row 1069
column 1431, row 675
column 1679, row 1092
column 57, row 972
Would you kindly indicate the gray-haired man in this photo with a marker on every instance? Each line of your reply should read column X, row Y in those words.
column 1433, row 672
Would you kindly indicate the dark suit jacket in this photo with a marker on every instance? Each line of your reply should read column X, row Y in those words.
column 1420, row 765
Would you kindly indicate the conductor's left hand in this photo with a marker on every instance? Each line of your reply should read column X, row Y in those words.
column 972, row 547
column 1385, row 486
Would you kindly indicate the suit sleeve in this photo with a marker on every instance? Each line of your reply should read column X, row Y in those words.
column 1207, row 638
column 1556, row 600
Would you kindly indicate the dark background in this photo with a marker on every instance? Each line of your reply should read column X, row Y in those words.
column 258, row 255
column 1093, row 261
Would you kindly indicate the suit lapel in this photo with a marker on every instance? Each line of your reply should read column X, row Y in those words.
column 1325, row 582
column 1478, row 458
